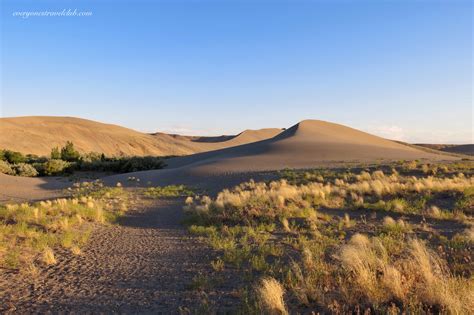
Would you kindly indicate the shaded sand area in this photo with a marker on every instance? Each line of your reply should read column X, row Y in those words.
column 21, row 189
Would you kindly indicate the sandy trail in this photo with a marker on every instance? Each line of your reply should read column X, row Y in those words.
column 145, row 264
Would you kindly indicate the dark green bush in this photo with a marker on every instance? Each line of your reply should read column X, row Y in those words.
column 121, row 165
column 69, row 153
column 13, row 157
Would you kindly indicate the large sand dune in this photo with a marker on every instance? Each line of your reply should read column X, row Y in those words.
column 310, row 143
column 38, row 134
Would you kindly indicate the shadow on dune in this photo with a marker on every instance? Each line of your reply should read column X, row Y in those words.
column 21, row 189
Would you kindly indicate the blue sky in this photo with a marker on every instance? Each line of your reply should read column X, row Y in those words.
column 399, row 69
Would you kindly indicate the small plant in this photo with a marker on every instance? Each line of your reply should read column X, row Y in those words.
column 48, row 256
column 55, row 154
column 270, row 295
column 217, row 265
column 199, row 282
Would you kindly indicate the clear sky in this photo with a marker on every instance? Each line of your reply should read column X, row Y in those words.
column 399, row 69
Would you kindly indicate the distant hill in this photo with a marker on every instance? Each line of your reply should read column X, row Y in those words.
column 467, row 149
column 38, row 134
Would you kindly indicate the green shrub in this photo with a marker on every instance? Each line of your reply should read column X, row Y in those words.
column 120, row 165
column 55, row 154
column 144, row 163
column 6, row 168
column 54, row 167
column 169, row 191
column 69, row 153
column 13, row 157
column 23, row 169
column 92, row 157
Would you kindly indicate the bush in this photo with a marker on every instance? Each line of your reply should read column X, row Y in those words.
column 55, row 154
column 13, row 157
column 68, row 153
column 54, row 167
column 135, row 164
column 120, row 165
column 6, row 168
column 23, row 169
column 92, row 157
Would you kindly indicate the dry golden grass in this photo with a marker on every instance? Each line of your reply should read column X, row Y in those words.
column 388, row 269
column 270, row 296
column 419, row 276
column 48, row 256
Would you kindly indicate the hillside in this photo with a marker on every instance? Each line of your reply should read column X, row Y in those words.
column 38, row 134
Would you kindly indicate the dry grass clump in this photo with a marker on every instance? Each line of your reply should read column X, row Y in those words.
column 270, row 296
column 48, row 256
column 418, row 277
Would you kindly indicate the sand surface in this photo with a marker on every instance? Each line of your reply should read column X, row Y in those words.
column 39, row 134
column 145, row 264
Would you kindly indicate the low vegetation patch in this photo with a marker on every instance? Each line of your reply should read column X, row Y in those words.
column 31, row 233
column 346, row 241
column 169, row 191
column 67, row 160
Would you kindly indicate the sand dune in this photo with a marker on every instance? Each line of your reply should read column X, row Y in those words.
column 38, row 134
column 310, row 143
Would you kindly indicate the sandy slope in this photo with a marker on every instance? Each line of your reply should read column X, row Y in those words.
column 310, row 143
column 38, row 134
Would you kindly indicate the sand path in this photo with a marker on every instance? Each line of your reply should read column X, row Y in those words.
column 145, row 264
